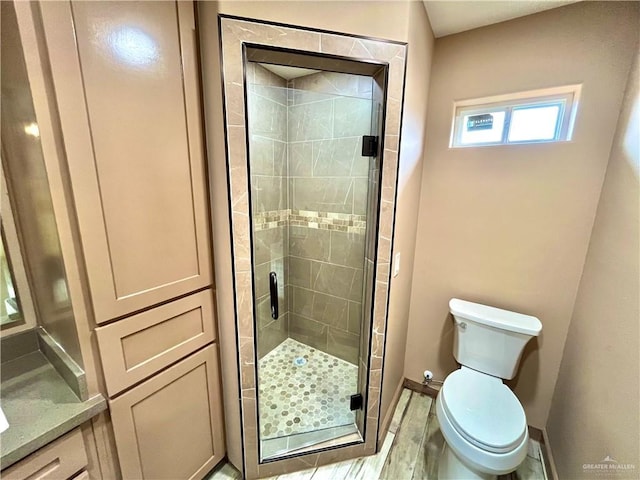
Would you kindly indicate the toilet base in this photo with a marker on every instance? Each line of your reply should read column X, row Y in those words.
column 450, row 467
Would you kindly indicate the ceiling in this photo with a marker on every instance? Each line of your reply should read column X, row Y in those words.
column 287, row 72
column 453, row 16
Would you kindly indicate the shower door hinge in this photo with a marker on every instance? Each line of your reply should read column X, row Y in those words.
column 356, row 402
column 369, row 146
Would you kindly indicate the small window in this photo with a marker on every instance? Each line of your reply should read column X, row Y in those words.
column 528, row 117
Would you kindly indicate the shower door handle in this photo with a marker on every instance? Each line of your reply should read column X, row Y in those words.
column 273, row 291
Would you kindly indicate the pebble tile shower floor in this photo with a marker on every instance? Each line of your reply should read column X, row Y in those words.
column 303, row 389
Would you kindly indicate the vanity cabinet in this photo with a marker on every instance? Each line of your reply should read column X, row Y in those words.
column 62, row 459
column 163, row 379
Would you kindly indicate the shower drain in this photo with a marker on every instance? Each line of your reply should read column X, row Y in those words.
column 300, row 361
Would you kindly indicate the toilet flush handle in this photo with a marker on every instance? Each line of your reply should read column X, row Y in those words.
column 462, row 326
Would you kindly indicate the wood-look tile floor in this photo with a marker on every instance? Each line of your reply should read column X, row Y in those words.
column 410, row 452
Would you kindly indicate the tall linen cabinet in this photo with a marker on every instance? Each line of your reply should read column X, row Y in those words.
column 125, row 77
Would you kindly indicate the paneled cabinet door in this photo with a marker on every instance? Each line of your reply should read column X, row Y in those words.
column 170, row 426
column 126, row 82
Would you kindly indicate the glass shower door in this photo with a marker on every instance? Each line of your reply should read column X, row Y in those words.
column 310, row 203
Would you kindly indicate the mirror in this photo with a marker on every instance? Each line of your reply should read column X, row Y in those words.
column 33, row 272
column 15, row 314
column 9, row 306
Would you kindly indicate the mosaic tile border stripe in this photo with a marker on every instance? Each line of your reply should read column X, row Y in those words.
column 342, row 222
column 272, row 219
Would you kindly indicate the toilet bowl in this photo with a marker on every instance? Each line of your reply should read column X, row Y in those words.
column 481, row 419
column 484, row 427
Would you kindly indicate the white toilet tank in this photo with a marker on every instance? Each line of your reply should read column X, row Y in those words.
column 490, row 340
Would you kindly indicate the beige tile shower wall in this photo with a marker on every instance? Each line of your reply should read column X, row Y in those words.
column 327, row 196
column 267, row 116
column 509, row 225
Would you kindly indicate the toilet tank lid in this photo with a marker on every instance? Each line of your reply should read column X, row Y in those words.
column 496, row 317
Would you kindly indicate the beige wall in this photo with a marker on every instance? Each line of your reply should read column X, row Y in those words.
column 381, row 19
column 509, row 226
column 214, row 130
column 421, row 43
column 594, row 412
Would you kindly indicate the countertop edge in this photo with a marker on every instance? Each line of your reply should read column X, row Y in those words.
column 94, row 406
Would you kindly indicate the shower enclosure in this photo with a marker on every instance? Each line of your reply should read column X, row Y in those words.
column 312, row 129
column 313, row 207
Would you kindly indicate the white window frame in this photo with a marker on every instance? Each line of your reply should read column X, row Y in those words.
column 566, row 96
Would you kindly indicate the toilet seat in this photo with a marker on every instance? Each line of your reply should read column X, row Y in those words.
column 483, row 410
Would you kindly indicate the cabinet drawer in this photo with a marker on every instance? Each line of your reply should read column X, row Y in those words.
column 136, row 347
column 170, row 426
column 59, row 460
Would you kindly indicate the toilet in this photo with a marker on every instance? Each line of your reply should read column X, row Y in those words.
column 482, row 421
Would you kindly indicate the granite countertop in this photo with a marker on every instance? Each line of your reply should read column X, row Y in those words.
column 39, row 405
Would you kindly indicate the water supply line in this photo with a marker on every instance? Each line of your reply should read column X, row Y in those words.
column 429, row 381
